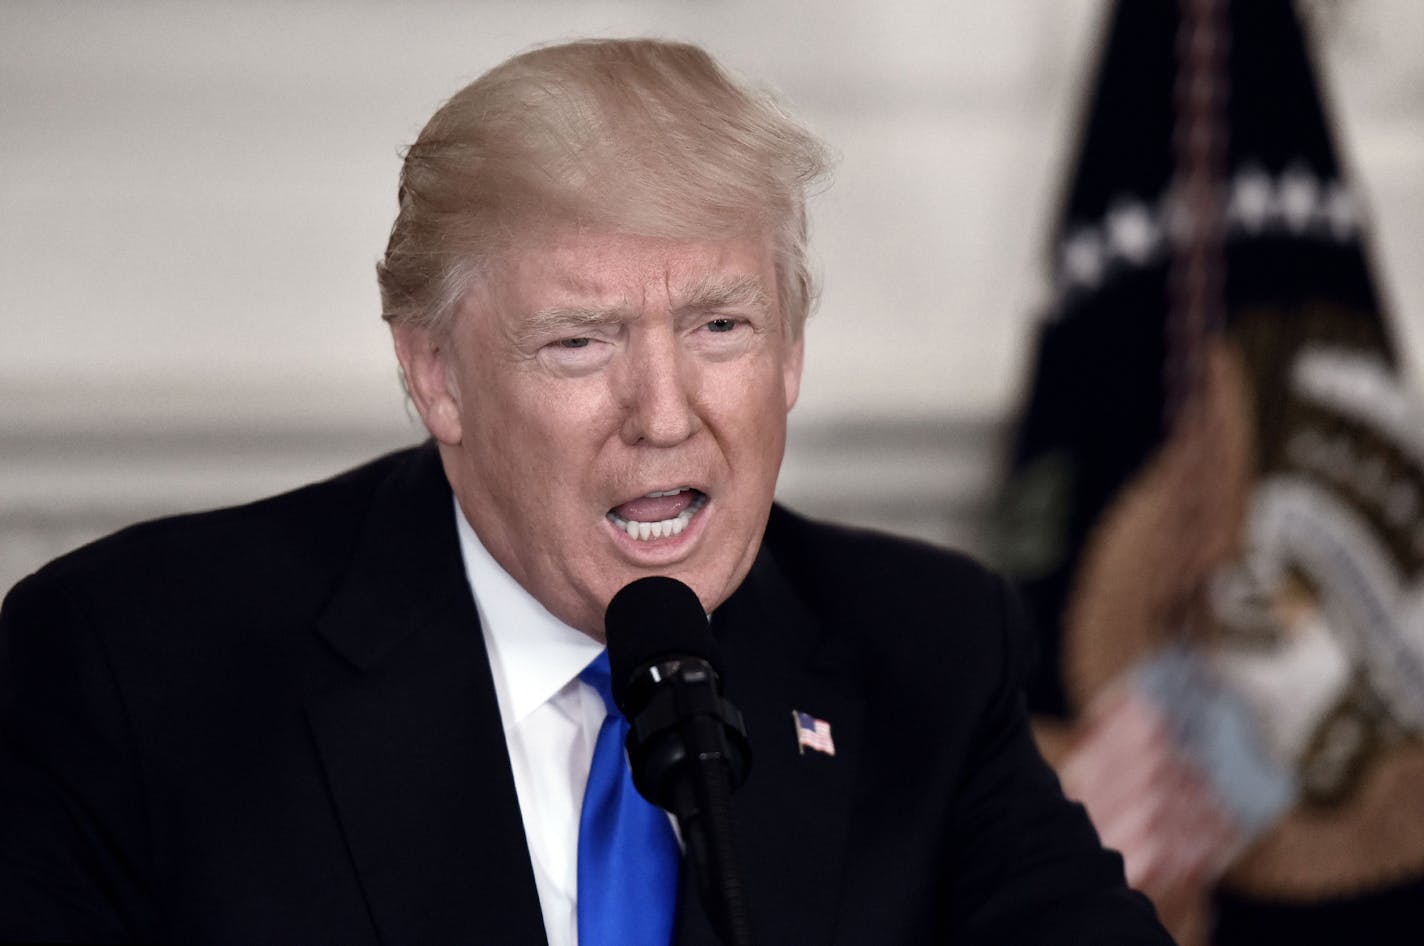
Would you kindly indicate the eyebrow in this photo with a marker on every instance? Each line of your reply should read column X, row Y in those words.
column 722, row 291
column 710, row 293
column 558, row 319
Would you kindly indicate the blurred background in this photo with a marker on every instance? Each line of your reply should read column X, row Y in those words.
column 195, row 194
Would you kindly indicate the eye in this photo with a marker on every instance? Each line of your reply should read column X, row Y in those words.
column 721, row 325
column 576, row 355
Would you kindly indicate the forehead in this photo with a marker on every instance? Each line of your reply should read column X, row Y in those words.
column 567, row 264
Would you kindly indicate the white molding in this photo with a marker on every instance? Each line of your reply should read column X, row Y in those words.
column 69, row 481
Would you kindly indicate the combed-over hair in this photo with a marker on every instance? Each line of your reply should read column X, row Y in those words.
column 643, row 136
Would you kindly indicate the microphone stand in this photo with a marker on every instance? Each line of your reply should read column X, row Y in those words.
column 704, row 814
column 689, row 750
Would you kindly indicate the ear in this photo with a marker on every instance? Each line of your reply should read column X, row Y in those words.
column 791, row 370
column 425, row 365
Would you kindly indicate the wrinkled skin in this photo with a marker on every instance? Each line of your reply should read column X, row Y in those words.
column 596, row 367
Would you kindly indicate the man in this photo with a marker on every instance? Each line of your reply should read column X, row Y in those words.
column 355, row 713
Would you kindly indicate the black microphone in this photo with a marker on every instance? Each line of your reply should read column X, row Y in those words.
column 686, row 743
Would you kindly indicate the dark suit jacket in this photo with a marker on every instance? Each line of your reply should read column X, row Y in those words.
column 276, row 724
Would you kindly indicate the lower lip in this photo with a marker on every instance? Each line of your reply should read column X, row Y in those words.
column 662, row 550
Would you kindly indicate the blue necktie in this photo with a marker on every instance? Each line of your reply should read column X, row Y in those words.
column 627, row 854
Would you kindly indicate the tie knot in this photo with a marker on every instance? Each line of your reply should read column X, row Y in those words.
column 598, row 676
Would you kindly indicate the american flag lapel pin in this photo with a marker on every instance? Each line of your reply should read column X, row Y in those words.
column 812, row 733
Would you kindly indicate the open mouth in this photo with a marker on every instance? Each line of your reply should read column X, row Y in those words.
column 659, row 514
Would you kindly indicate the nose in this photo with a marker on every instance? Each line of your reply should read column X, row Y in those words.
column 659, row 383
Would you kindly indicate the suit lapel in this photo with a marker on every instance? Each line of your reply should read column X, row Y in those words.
column 415, row 757
column 793, row 812
column 411, row 738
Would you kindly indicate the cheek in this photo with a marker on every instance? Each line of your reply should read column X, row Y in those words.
column 753, row 425
column 551, row 436
column 504, row 440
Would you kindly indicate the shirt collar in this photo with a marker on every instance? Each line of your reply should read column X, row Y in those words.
column 533, row 655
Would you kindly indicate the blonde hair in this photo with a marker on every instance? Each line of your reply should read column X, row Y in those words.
column 643, row 136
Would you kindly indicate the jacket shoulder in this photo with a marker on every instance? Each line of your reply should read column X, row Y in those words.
column 898, row 602
column 257, row 542
column 842, row 562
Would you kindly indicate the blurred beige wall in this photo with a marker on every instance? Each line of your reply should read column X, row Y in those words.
column 194, row 195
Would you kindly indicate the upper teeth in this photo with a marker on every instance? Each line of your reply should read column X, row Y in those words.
column 643, row 531
column 668, row 492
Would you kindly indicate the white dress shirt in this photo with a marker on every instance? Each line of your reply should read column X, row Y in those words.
column 551, row 722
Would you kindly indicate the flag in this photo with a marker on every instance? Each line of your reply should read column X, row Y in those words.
column 1219, row 458
column 812, row 733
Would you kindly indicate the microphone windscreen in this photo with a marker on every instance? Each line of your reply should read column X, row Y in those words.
column 653, row 618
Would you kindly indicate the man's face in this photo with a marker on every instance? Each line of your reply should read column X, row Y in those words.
column 611, row 407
